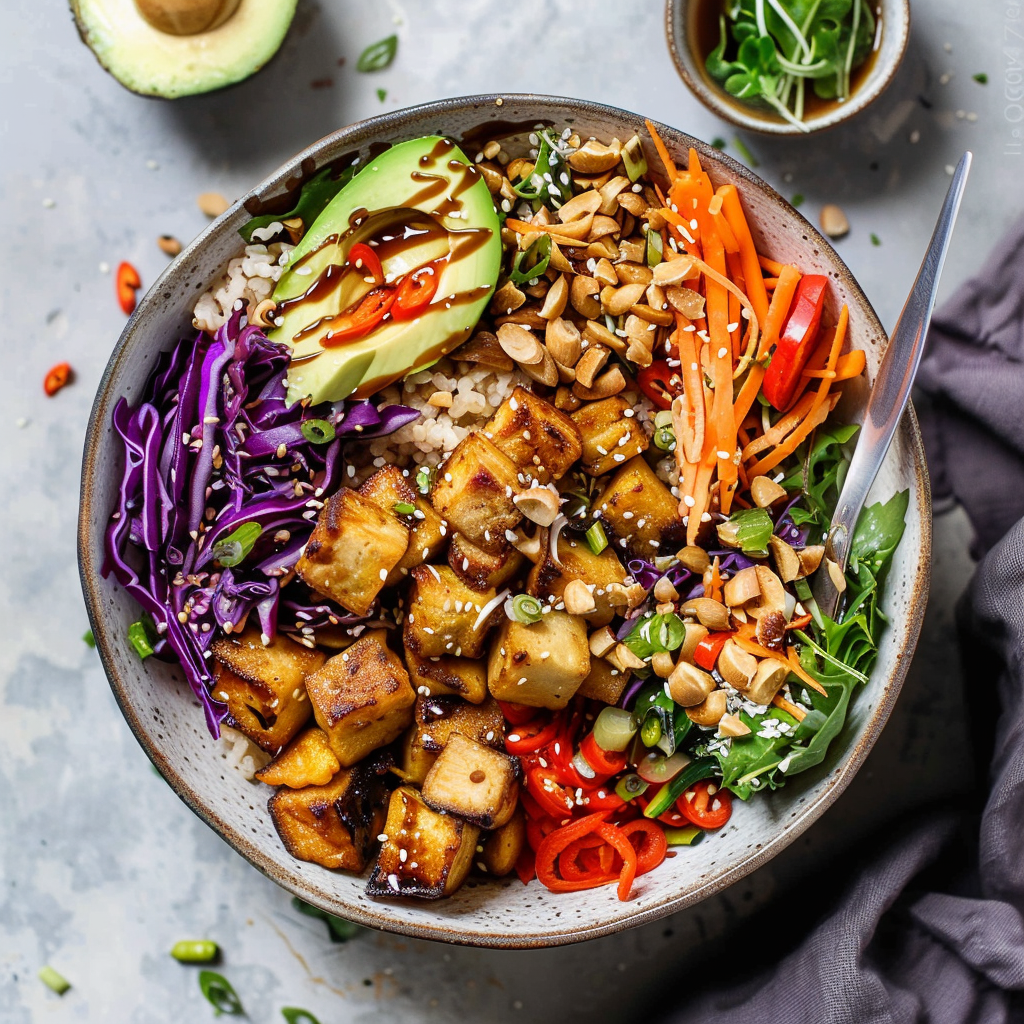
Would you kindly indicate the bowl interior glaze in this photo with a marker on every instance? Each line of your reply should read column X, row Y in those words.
column 891, row 46
column 166, row 718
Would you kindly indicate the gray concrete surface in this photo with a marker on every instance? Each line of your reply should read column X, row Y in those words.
column 101, row 867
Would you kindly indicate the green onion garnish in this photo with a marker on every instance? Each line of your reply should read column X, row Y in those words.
column 630, row 786
column 194, row 951
column 718, row 143
column 142, row 636
column 529, row 265
column 404, row 508
column 744, row 152
column 633, row 159
column 655, row 248
column 378, row 56
column 797, row 200
column 424, row 479
column 317, row 431
column 234, row 548
column 875, row 240
column 294, row 1015
column 219, row 994
column 526, row 609
column 382, row 95
column 981, row 78
column 54, row 980
column 663, row 418
column 664, row 438
column 597, row 538
column 88, row 639
column 690, row 835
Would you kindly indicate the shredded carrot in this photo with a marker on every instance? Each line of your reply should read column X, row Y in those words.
column 732, row 209
column 851, row 364
column 701, row 494
column 715, row 586
column 769, row 282
column 781, row 429
column 670, row 167
column 770, row 265
column 725, row 232
column 748, row 394
column 790, row 659
column 782, row 298
column 791, row 709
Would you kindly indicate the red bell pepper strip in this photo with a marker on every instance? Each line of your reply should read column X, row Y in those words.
column 363, row 258
column 57, row 377
column 796, row 342
column 705, row 654
column 127, row 282
column 416, row 292
column 366, row 316
column 704, row 808
column 660, row 383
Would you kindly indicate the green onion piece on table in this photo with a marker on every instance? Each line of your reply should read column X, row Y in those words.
column 317, row 431
column 88, row 639
column 338, row 928
column 219, row 994
column 294, row 1015
column 195, row 951
column 54, row 980
column 377, row 56
column 235, row 547
column 526, row 609
column 597, row 538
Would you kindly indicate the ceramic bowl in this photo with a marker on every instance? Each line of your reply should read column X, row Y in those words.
column 168, row 722
column 681, row 27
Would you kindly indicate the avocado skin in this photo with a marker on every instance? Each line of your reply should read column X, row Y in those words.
column 386, row 189
column 153, row 63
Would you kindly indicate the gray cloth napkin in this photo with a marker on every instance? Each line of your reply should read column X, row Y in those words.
column 933, row 930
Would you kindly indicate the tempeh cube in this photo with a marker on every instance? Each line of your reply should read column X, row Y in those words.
column 444, row 616
column 503, row 846
column 426, row 854
column 610, row 436
column 414, row 759
column 480, row 569
column 548, row 578
column 447, row 675
column 641, row 511
column 473, row 782
column 307, row 761
column 362, row 698
column 439, row 718
column 352, row 550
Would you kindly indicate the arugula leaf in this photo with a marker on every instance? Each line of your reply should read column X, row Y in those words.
column 825, row 459
column 751, row 762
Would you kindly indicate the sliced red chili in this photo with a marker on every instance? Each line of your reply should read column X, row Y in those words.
column 604, row 762
column 532, row 736
column 127, row 282
column 704, row 808
column 550, row 795
column 517, row 714
column 416, row 292
column 660, row 383
column 796, row 341
column 525, row 866
column 57, row 377
column 705, row 654
column 365, row 260
column 651, row 845
column 366, row 316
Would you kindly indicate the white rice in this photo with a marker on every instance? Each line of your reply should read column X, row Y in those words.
column 240, row 753
column 250, row 277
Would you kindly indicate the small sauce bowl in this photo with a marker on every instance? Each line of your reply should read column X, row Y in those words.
column 692, row 30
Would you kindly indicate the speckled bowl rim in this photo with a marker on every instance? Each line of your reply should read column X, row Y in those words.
column 678, row 46
column 378, row 916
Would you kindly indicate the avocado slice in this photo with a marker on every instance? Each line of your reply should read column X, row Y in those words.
column 419, row 202
column 173, row 48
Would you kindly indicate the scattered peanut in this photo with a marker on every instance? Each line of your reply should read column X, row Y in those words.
column 213, row 204
column 833, row 221
column 169, row 244
column 578, row 598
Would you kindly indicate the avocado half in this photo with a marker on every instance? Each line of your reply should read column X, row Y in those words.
column 428, row 194
column 201, row 45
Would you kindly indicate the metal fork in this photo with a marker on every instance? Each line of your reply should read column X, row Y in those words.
column 889, row 396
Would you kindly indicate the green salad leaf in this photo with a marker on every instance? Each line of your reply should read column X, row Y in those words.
column 821, row 469
column 550, row 183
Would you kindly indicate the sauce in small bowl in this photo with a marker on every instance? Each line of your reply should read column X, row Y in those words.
column 693, row 32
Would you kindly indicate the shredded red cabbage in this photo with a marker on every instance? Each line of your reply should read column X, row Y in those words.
column 213, row 445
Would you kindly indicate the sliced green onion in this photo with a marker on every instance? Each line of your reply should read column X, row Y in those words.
column 703, row 768
column 981, row 78
column 526, row 609
column 797, row 201
column 382, row 95
column 664, row 438
column 875, row 240
column 597, row 538
column 689, row 835
column 633, row 158
column 529, row 265
column 317, row 431
column 614, row 729
column 404, row 508
column 718, row 143
column 195, row 951
column 219, row 994
column 377, row 56
column 655, row 248
column 583, row 766
column 235, row 547
column 629, row 786
column 338, row 928
column 744, row 152
column 663, row 418
column 54, row 980
column 142, row 636
column 650, row 731
column 424, row 479
column 88, row 639
column 294, row 1015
